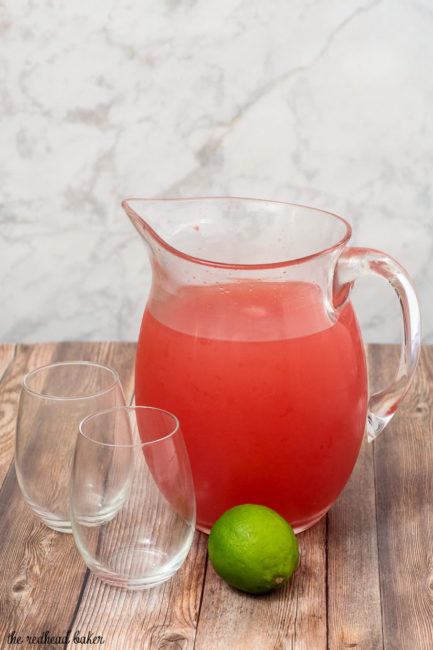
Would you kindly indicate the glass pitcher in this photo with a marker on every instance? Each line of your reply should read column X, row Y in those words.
column 250, row 338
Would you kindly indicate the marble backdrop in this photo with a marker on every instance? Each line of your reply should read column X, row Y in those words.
column 321, row 102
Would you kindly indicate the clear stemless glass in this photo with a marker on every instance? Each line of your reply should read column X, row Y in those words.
column 132, row 496
column 54, row 399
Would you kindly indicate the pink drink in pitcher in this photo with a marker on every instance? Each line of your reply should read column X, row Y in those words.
column 271, row 414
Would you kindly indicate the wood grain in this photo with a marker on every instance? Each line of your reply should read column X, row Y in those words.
column 291, row 617
column 365, row 578
column 7, row 353
column 24, row 358
column 403, row 460
column 353, row 568
column 7, row 408
column 163, row 617
column 43, row 566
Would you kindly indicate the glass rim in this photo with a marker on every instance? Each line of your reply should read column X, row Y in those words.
column 342, row 241
column 129, row 408
column 66, row 398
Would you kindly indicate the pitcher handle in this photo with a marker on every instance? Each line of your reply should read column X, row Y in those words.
column 357, row 262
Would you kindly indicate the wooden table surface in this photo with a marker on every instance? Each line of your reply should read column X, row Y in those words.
column 365, row 578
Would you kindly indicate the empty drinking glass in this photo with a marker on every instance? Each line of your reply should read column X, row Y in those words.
column 54, row 399
column 132, row 496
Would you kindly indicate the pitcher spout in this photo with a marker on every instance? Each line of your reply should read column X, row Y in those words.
column 132, row 207
column 172, row 227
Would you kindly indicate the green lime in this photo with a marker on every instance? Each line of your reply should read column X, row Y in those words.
column 253, row 548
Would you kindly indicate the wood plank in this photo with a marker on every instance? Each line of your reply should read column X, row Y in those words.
column 7, row 410
column 7, row 353
column 25, row 358
column 291, row 617
column 41, row 588
column 404, row 482
column 354, row 612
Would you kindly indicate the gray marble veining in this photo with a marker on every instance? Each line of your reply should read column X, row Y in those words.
column 323, row 103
